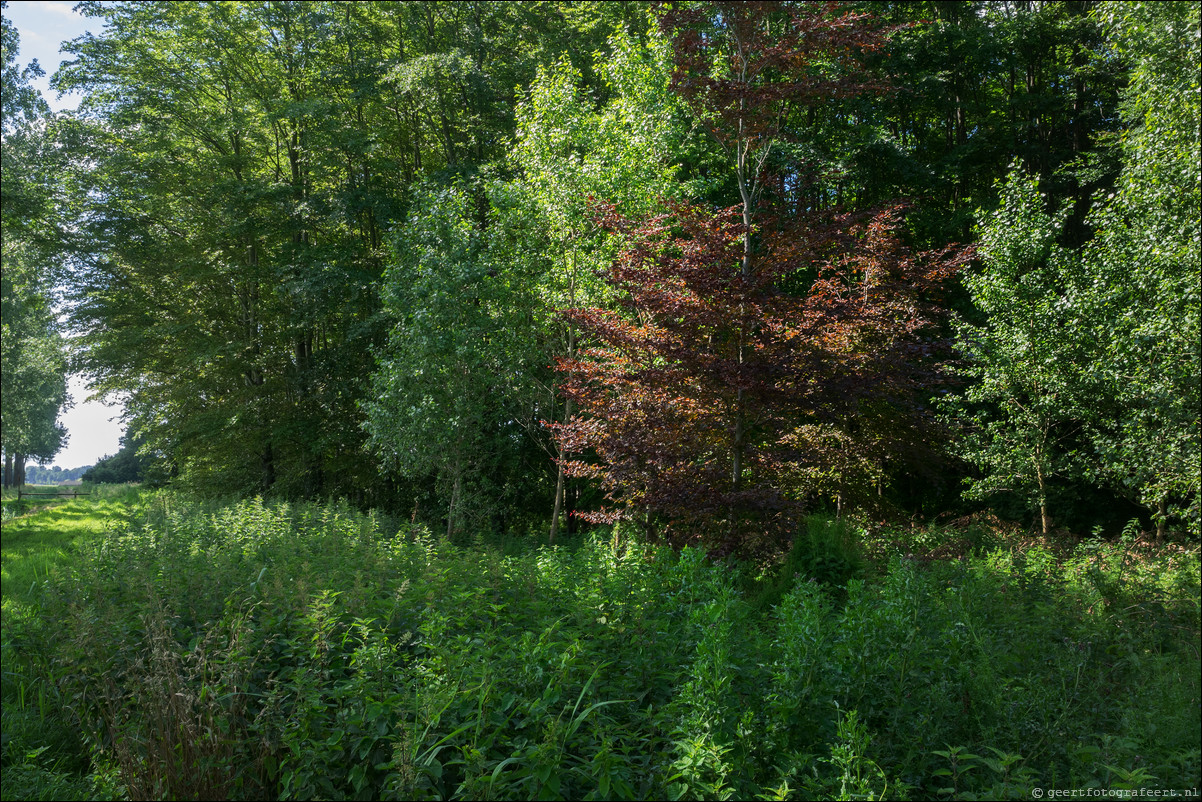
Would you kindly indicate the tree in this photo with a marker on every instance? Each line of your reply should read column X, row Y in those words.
column 236, row 168
column 23, row 113
column 1019, row 407
column 33, row 385
column 693, row 394
column 33, row 367
column 1138, row 324
column 453, row 384
column 1088, row 362
column 129, row 464
column 571, row 152
column 978, row 85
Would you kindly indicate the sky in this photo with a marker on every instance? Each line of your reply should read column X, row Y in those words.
column 93, row 428
column 43, row 26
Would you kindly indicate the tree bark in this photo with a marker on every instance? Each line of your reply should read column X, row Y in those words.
column 1043, row 498
column 567, row 415
column 452, row 508
column 567, row 408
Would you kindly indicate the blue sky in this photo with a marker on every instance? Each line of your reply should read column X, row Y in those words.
column 43, row 26
column 93, row 427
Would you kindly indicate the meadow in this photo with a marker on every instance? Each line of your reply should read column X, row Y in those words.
column 156, row 646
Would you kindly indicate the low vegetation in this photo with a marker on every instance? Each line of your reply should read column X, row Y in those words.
column 255, row 650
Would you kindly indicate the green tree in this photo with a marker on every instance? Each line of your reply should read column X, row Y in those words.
column 33, row 368
column 236, row 167
column 483, row 266
column 453, row 394
column 973, row 86
column 33, row 385
column 1139, row 307
column 570, row 153
column 24, row 115
column 129, row 464
column 1019, row 408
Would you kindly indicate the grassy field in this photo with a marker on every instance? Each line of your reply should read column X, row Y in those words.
column 158, row 647
column 43, row 757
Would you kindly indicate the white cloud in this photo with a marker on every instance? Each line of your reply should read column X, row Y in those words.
column 66, row 9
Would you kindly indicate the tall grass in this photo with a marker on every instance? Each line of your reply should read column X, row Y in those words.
column 298, row 651
column 43, row 757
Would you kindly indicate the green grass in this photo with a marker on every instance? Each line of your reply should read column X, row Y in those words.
column 43, row 757
column 255, row 650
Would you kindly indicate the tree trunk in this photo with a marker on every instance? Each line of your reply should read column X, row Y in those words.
column 558, row 502
column 746, row 194
column 567, row 415
column 267, row 465
column 19, row 470
column 1161, row 519
column 1043, row 499
column 452, row 508
column 567, row 408
column 8, row 470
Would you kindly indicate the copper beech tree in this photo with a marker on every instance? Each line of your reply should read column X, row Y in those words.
column 744, row 334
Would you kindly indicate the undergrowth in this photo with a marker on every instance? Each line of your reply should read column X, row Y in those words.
column 274, row 651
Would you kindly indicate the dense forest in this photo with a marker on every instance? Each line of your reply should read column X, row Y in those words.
column 494, row 260
column 777, row 283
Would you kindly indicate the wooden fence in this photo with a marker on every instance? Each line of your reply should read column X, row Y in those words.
column 74, row 494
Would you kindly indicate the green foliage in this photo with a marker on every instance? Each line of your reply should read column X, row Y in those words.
column 128, row 465
column 43, row 757
column 22, row 118
column 823, row 550
column 1143, row 383
column 1088, row 363
column 230, row 186
column 457, row 390
column 282, row 651
column 322, row 249
column 1019, row 408
column 33, row 360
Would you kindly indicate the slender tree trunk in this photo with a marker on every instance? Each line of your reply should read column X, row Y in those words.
column 19, row 470
column 745, row 193
column 1161, row 519
column 1043, row 498
column 8, row 470
column 453, row 507
column 567, row 415
column 567, row 408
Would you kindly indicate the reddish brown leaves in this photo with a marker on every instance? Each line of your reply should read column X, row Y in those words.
column 754, row 348
column 661, row 388
column 774, row 58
